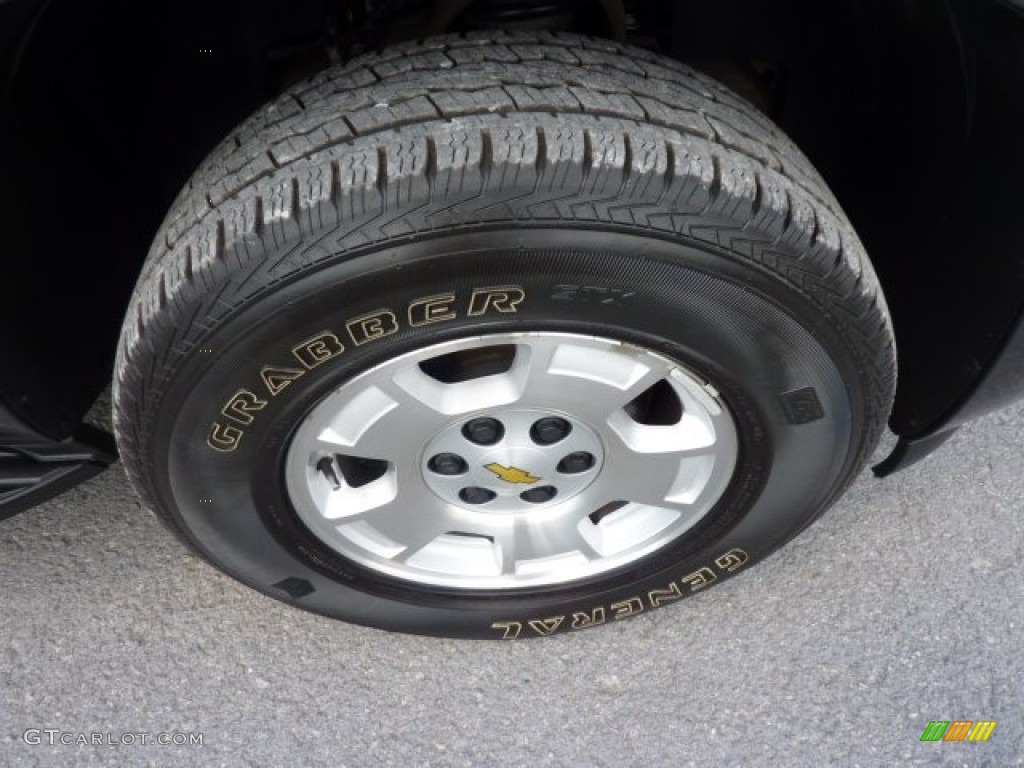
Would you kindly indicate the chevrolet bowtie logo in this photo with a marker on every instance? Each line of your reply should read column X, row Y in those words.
column 512, row 474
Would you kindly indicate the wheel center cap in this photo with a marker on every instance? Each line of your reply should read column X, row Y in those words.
column 512, row 460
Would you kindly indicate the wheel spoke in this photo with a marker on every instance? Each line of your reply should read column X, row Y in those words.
column 347, row 502
column 669, row 479
column 600, row 381
column 413, row 525
column 453, row 399
column 383, row 422
column 693, row 435
column 631, row 526
column 529, row 548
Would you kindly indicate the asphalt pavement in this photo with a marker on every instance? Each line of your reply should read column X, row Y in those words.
column 901, row 606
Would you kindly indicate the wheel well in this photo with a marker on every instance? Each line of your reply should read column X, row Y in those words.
column 112, row 109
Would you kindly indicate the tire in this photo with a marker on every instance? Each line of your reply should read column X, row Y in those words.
column 403, row 235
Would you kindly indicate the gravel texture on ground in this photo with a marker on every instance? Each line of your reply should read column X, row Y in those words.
column 903, row 605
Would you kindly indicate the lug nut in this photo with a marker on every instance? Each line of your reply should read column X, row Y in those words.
column 475, row 495
column 484, row 431
column 539, row 495
column 550, row 430
column 577, row 462
column 447, row 464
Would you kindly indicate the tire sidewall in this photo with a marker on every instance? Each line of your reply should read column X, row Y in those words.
column 752, row 336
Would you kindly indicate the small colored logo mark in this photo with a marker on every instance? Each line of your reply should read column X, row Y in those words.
column 958, row 730
column 512, row 474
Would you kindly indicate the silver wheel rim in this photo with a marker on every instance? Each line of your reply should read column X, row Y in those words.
column 604, row 453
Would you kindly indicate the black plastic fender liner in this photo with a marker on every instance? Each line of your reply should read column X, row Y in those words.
column 909, row 451
column 1001, row 385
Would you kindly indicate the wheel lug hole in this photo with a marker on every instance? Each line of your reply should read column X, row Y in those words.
column 550, row 430
column 539, row 495
column 576, row 462
column 483, row 431
column 447, row 464
column 476, row 495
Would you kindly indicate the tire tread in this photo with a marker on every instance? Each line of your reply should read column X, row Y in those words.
column 498, row 127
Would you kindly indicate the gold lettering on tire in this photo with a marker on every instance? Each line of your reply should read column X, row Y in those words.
column 502, row 299
column 432, row 309
column 242, row 405
column 547, row 626
column 658, row 596
column 510, row 629
column 223, row 438
column 698, row 579
column 627, row 608
column 675, row 590
column 581, row 620
column 326, row 345
column 318, row 350
column 732, row 560
column 275, row 378
column 372, row 326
